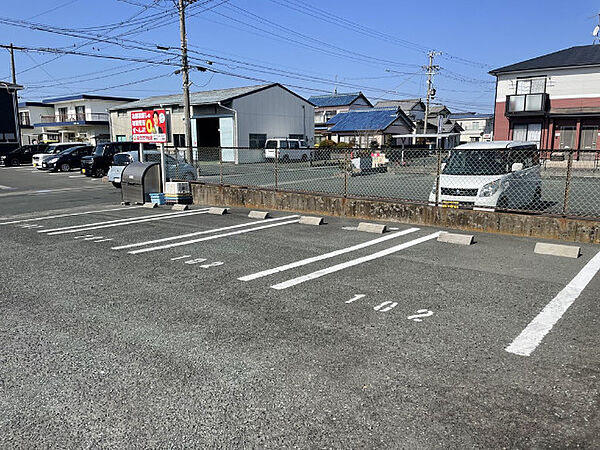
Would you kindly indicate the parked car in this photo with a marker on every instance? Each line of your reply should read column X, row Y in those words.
column 491, row 175
column 97, row 164
column 67, row 159
column 175, row 169
column 22, row 155
column 287, row 150
column 53, row 149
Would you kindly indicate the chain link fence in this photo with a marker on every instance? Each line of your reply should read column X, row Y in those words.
column 565, row 183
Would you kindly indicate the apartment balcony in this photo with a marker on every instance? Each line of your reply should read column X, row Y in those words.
column 74, row 119
column 527, row 104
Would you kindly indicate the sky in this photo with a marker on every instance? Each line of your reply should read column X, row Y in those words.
column 313, row 47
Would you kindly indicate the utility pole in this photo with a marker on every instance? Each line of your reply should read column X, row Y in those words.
column 431, row 70
column 12, row 63
column 185, row 70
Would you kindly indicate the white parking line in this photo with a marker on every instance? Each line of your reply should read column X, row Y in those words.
column 539, row 327
column 126, row 219
column 179, row 257
column 354, row 262
column 6, row 187
column 131, row 222
column 69, row 215
column 93, row 238
column 76, row 176
column 216, row 236
column 103, row 240
column 197, row 233
column 332, row 254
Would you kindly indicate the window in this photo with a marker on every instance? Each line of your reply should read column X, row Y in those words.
column 329, row 115
column 531, row 132
column 294, row 144
column 531, row 86
column 121, row 138
column 121, row 113
column 62, row 114
column 283, row 144
column 179, row 140
column 300, row 137
column 589, row 135
column 257, row 140
column 177, row 109
column 80, row 112
column 24, row 118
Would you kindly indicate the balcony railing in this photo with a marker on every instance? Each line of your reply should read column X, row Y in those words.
column 526, row 104
column 78, row 117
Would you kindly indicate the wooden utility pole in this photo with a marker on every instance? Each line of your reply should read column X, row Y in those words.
column 185, row 71
column 12, row 63
column 431, row 70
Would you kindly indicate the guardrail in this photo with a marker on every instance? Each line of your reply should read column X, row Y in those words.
column 543, row 182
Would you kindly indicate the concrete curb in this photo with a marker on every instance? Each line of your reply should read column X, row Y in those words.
column 454, row 238
column 310, row 220
column 566, row 251
column 371, row 228
column 218, row 211
column 179, row 207
column 150, row 205
column 258, row 215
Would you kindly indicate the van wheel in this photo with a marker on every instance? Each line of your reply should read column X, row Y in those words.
column 15, row 162
column 99, row 173
column 65, row 167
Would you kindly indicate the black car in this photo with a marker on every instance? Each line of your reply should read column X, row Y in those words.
column 67, row 159
column 99, row 162
column 22, row 155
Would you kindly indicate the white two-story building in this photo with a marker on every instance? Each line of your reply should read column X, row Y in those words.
column 83, row 118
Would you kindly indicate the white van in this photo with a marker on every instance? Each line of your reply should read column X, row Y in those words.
column 491, row 175
column 53, row 149
column 287, row 149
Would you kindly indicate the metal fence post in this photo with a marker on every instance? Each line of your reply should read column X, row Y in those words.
column 221, row 166
column 346, row 169
column 437, row 177
column 568, row 183
column 276, row 168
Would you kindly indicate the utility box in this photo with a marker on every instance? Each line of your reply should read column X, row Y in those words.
column 138, row 181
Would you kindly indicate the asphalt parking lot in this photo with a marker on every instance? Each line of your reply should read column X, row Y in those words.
column 132, row 327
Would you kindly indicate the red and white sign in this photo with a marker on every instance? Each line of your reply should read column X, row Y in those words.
column 149, row 126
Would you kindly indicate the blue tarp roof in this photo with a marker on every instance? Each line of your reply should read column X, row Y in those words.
column 334, row 99
column 364, row 120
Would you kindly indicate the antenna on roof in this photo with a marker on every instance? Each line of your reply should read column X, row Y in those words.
column 596, row 32
column 335, row 87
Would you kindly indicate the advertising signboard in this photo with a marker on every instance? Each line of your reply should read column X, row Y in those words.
column 149, row 126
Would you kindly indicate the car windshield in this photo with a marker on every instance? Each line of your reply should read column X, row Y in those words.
column 469, row 162
column 271, row 144
column 54, row 150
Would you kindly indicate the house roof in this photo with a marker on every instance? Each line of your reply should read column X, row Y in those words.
column 469, row 115
column 367, row 119
column 405, row 104
column 337, row 99
column 86, row 97
column 201, row 98
column 437, row 109
column 583, row 55
column 25, row 104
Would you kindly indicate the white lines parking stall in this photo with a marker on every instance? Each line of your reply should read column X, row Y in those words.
column 198, row 233
column 332, row 254
column 353, row 262
column 120, row 222
column 539, row 327
column 216, row 236
column 57, row 216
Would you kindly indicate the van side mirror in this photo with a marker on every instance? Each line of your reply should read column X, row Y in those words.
column 516, row 167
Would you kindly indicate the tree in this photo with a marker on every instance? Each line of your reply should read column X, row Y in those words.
column 327, row 143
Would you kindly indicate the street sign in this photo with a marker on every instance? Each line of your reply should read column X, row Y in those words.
column 149, row 126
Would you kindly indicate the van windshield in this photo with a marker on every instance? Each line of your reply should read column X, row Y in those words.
column 99, row 150
column 121, row 159
column 271, row 144
column 483, row 162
